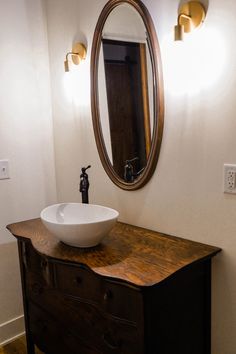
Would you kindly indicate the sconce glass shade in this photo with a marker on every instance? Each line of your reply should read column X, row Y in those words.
column 66, row 65
column 179, row 32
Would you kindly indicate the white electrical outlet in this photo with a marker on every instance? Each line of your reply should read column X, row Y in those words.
column 4, row 169
column 230, row 179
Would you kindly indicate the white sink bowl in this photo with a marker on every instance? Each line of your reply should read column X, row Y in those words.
column 77, row 224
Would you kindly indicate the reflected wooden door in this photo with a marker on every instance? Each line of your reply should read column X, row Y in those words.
column 124, row 84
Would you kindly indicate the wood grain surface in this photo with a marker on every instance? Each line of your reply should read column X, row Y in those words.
column 136, row 255
column 17, row 347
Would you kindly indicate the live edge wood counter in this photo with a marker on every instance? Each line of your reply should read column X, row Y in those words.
column 138, row 292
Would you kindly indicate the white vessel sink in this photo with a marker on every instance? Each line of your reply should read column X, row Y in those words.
column 77, row 224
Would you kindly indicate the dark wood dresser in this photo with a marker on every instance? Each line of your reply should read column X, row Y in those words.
column 138, row 292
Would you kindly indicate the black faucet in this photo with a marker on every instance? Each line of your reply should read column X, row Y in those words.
column 129, row 170
column 129, row 174
column 84, row 185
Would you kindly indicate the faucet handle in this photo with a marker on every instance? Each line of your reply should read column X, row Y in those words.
column 132, row 160
column 83, row 169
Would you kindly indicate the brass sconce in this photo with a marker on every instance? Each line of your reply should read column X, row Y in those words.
column 190, row 16
column 77, row 54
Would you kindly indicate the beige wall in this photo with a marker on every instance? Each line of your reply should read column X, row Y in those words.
column 184, row 197
column 25, row 139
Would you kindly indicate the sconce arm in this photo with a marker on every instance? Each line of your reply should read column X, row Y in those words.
column 184, row 16
column 71, row 53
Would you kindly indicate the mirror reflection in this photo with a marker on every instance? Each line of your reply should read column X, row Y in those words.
column 125, row 87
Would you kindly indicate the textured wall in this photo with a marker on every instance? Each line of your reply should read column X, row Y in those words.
column 26, row 139
column 184, row 197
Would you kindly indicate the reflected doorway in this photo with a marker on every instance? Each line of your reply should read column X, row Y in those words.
column 129, row 117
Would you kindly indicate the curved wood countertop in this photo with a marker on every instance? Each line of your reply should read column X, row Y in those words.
column 136, row 255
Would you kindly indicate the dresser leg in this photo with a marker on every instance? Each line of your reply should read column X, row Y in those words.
column 207, row 328
column 23, row 265
column 30, row 346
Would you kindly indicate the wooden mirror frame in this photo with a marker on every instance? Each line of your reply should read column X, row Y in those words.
column 158, row 95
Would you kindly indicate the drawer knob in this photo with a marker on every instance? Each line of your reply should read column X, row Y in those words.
column 77, row 280
column 43, row 263
column 110, row 341
column 107, row 295
column 37, row 289
column 42, row 326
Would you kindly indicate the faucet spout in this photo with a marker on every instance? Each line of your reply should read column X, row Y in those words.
column 84, row 185
column 129, row 175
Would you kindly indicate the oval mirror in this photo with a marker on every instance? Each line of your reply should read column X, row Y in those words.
column 127, row 93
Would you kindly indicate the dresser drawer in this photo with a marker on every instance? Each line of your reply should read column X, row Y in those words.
column 115, row 298
column 88, row 324
column 77, row 281
column 122, row 301
column 52, row 337
column 38, row 273
column 37, row 266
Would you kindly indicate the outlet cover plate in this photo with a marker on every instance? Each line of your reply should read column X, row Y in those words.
column 229, row 178
column 4, row 169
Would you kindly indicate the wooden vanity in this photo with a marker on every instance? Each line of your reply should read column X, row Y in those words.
column 139, row 292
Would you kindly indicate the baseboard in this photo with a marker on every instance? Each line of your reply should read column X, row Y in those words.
column 11, row 330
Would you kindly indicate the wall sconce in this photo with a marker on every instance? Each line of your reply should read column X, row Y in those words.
column 191, row 15
column 77, row 54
